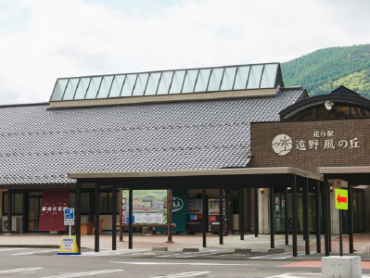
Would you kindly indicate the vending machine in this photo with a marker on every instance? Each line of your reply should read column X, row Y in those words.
column 214, row 216
column 194, row 216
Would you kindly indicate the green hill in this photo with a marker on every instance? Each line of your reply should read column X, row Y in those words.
column 326, row 69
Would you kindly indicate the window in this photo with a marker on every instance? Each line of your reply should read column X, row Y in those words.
column 17, row 203
column 337, row 112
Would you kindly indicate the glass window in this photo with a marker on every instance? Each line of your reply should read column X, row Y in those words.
column 269, row 76
column 165, row 82
column 358, row 112
column 228, row 79
column 85, row 203
column 17, row 203
column 118, row 80
column 128, row 85
column 71, row 89
column 177, row 81
column 151, row 89
column 93, row 88
column 105, row 86
column 255, row 77
column 141, row 84
column 59, row 89
column 215, row 81
column 190, row 78
column 82, row 88
column 202, row 81
column 241, row 78
column 105, row 202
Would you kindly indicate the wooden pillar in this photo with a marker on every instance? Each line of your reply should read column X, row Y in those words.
column 114, row 218
column 227, row 208
column 130, row 216
column 272, row 218
column 256, row 222
column 204, row 218
column 78, row 215
column 97, row 216
column 25, row 212
column 350, row 217
column 317, row 218
column 325, row 191
column 286, row 218
column 221, row 227
column 241, row 213
column 169, row 216
column 305, row 218
column 329, row 215
column 294, row 216
column 120, row 216
column 10, row 208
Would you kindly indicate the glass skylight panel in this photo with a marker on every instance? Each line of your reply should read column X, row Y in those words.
column 59, row 89
column 118, row 80
column 255, row 77
column 105, row 86
column 165, row 82
column 82, row 88
column 94, row 87
column 152, row 86
column 189, row 83
column 202, row 81
column 215, row 81
column 228, row 79
column 128, row 85
column 269, row 76
column 71, row 89
column 140, row 84
column 177, row 81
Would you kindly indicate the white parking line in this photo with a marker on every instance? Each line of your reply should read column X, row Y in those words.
column 88, row 273
column 34, row 252
column 279, row 256
column 164, row 263
column 17, row 270
column 113, row 252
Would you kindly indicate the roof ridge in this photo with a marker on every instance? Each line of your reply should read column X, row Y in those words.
column 24, row 104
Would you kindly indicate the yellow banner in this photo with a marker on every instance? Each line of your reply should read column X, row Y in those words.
column 341, row 199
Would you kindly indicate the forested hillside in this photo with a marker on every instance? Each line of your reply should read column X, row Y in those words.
column 327, row 69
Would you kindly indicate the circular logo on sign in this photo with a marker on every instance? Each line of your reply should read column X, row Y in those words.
column 282, row 144
column 177, row 204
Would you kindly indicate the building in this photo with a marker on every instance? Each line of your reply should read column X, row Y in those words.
column 180, row 130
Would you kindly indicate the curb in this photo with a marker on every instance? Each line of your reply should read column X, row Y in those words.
column 29, row 245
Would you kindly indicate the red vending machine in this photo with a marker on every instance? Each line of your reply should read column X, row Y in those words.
column 214, row 216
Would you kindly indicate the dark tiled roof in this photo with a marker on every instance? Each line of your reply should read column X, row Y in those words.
column 40, row 145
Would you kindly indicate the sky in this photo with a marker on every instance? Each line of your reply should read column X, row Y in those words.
column 42, row 40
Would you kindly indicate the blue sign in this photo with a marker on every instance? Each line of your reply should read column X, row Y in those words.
column 127, row 218
column 69, row 213
column 69, row 216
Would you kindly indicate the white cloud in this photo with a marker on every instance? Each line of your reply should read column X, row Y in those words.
column 71, row 37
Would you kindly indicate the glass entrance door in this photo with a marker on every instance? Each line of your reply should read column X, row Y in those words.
column 34, row 201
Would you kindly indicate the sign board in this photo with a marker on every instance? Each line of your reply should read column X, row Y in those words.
column 341, row 199
column 69, row 216
column 68, row 246
column 149, row 206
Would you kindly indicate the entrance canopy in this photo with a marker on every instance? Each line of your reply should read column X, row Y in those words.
column 222, row 178
column 356, row 175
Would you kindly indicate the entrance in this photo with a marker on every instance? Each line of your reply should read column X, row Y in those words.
column 34, row 202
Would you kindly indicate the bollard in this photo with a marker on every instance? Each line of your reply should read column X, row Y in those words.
column 340, row 267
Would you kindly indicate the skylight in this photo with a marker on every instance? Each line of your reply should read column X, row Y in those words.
column 170, row 82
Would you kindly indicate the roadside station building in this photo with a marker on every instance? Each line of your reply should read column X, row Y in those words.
column 230, row 134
